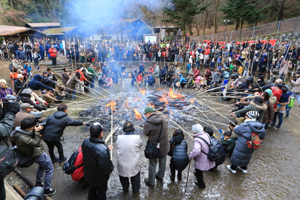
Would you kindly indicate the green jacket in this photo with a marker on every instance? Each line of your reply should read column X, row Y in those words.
column 6, row 126
column 228, row 145
column 28, row 144
column 91, row 70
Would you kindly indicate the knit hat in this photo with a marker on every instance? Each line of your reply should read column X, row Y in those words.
column 3, row 81
column 149, row 109
column 269, row 91
column 197, row 128
column 252, row 114
column 96, row 128
column 279, row 86
column 19, row 76
column 128, row 127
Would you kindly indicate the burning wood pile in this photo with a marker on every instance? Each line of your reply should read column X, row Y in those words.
column 129, row 106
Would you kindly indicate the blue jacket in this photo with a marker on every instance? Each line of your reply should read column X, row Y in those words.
column 61, row 46
column 216, row 142
column 151, row 80
column 21, row 54
column 188, row 66
column 47, row 47
column 178, row 152
column 35, row 83
column 182, row 79
column 285, row 97
column 42, row 50
column 27, row 68
column 241, row 155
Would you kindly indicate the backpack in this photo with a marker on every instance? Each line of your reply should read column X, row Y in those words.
column 69, row 166
column 254, row 143
column 213, row 152
column 8, row 160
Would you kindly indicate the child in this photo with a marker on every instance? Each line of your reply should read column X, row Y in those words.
column 273, row 77
column 199, row 81
column 178, row 153
column 289, row 107
column 228, row 142
column 36, row 59
column 241, row 69
column 151, row 70
column 139, row 79
column 27, row 69
column 109, row 82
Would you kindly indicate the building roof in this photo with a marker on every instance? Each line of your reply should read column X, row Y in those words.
column 58, row 31
column 36, row 25
column 12, row 30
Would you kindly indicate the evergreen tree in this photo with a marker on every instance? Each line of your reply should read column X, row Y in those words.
column 183, row 11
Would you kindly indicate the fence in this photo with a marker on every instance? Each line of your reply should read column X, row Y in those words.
column 273, row 28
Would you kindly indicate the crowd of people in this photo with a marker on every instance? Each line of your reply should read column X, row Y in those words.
column 230, row 72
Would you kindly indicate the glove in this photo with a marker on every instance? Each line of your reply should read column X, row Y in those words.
column 37, row 102
column 13, row 107
column 46, row 103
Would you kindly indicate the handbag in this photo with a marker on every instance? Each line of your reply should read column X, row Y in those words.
column 8, row 160
column 152, row 150
column 24, row 161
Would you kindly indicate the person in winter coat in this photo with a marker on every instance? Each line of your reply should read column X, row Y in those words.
column 97, row 162
column 28, row 140
column 70, row 86
column 216, row 142
column 24, row 113
column 47, row 47
column 162, row 75
column 260, row 82
column 201, row 161
column 54, row 129
column 53, row 54
column 156, row 124
column 156, row 74
column 28, row 96
column 4, row 89
column 241, row 155
column 65, row 76
column 19, row 84
column 6, row 126
column 228, row 142
column 21, row 55
column 36, row 85
column 42, row 51
column 296, row 89
column 284, row 100
column 178, row 152
column 128, row 157
column 255, row 105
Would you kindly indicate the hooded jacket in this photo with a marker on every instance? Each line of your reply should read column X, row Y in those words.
column 35, row 83
column 96, row 161
column 296, row 84
column 178, row 153
column 241, row 155
column 26, row 98
column 19, row 85
column 152, row 129
column 4, row 92
column 28, row 143
column 254, row 107
column 56, row 124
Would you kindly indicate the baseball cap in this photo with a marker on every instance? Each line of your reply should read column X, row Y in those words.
column 26, row 105
column 149, row 109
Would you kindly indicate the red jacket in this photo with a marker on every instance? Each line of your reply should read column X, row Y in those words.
column 78, row 173
column 52, row 52
column 82, row 77
column 207, row 51
column 277, row 94
column 139, row 78
column 151, row 70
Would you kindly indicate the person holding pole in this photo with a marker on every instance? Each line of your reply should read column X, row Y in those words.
column 199, row 154
column 97, row 162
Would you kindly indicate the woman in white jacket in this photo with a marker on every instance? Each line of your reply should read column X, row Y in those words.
column 128, row 155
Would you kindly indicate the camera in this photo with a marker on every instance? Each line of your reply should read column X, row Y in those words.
column 42, row 124
column 36, row 193
column 4, row 107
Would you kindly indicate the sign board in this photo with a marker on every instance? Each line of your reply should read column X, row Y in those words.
column 151, row 38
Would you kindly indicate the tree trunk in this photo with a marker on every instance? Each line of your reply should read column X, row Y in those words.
column 215, row 16
column 280, row 14
column 190, row 29
column 205, row 21
column 197, row 26
column 237, row 24
column 11, row 4
column 242, row 22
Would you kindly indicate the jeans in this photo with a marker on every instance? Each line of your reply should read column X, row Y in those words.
column 29, row 57
column 281, row 76
column 97, row 193
column 181, row 59
column 176, row 58
column 297, row 96
column 280, row 117
column 199, row 176
column 133, row 80
column 45, row 164
column 36, row 64
column 288, row 110
column 135, row 183
column 92, row 80
column 2, row 189
column 246, row 73
column 173, row 172
column 59, row 147
column 152, row 169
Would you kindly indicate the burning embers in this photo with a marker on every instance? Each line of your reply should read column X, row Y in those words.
column 112, row 105
column 138, row 116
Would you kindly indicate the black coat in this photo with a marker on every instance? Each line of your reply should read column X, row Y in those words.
column 216, row 142
column 25, row 98
column 19, row 85
column 96, row 161
column 178, row 152
column 56, row 124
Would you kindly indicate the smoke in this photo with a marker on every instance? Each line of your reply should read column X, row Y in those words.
column 101, row 14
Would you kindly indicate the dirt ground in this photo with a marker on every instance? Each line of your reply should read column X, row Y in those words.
column 272, row 173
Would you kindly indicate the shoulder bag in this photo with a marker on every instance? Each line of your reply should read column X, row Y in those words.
column 152, row 150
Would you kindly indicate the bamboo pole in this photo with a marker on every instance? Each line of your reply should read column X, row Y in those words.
column 111, row 131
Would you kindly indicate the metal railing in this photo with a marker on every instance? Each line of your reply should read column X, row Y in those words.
column 273, row 28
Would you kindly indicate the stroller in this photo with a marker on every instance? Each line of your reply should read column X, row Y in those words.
column 190, row 82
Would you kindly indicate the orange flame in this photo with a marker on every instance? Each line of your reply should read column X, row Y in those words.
column 174, row 96
column 149, row 104
column 112, row 105
column 171, row 112
column 164, row 99
column 138, row 116
column 192, row 100
column 143, row 91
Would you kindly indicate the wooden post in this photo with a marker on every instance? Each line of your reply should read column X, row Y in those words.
column 75, row 53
